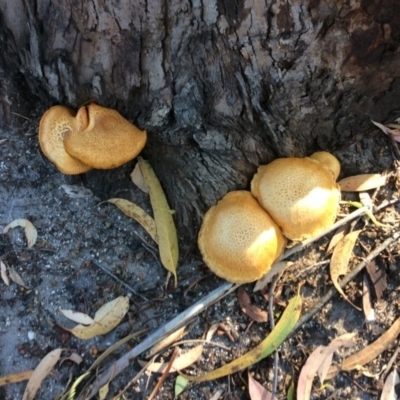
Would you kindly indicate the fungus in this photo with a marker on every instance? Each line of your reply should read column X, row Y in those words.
column 103, row 138
column 299, row 195
column 238, row 240
column 329, row 161
column 55, row 123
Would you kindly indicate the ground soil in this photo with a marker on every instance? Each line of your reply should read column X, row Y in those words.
column 78, row 238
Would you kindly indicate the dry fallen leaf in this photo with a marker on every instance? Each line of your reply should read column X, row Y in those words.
column 78, row 317
column 106, row 319
column 395, row 132
column 258, row 391
column 254, row 312
column 319, row 361
column 166, row 231
column 4, row 275
column 138, row 214
column 340, row 260
column 377, row 274
column 41, row 371
column 361, row 183
column 389, row 388
column 138, row 179
column 182, row 361
column 339, row 234
column 30, row 230
column 15, row 377
column 368, row 353
column 162, row 344
column 74, row 357
column 15, row 277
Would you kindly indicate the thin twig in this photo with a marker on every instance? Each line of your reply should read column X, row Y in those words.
column 120, row 281
column 164, row 375
column 306, row 317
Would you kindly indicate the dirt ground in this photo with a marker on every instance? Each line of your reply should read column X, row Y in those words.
column 77, row 237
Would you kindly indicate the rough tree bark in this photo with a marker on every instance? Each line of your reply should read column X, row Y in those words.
column 221, row 86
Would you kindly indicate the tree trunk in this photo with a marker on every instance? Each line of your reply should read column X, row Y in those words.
column 221, row 86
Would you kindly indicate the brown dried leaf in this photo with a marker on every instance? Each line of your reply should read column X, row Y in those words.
column 378, row 278
column 254, row 312
column 106, row 319
column 4, row 275
column 340, row 260
column 361, row 183
column 41, row 371
column 30, row 230
column 340, row 233
column 258, row 391
column 368, row 353
column 182, row 361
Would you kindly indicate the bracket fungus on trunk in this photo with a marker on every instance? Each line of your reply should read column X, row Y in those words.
column 300, row 194
column 96, row 137
column 238, row 240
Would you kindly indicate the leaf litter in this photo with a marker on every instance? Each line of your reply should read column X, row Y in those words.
column 58, row 186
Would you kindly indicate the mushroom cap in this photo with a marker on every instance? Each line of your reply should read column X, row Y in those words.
column 329, row 161
column 55, row 123
column 103, row 138
column 238, row 240
column 299, row 195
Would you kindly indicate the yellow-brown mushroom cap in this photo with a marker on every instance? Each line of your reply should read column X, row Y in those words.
column 329, row 161
column 299, row 195
column 103, row 138
column 238, row 240
column 55, row 123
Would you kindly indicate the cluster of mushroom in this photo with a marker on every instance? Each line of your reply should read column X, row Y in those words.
column 245, row 232
column 96, row 137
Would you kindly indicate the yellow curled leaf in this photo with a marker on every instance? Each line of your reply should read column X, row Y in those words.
column 340, row 260
column 166, row 231
column 106, row 319
column 281, row 331
column 138, row 214
column 361, row 183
